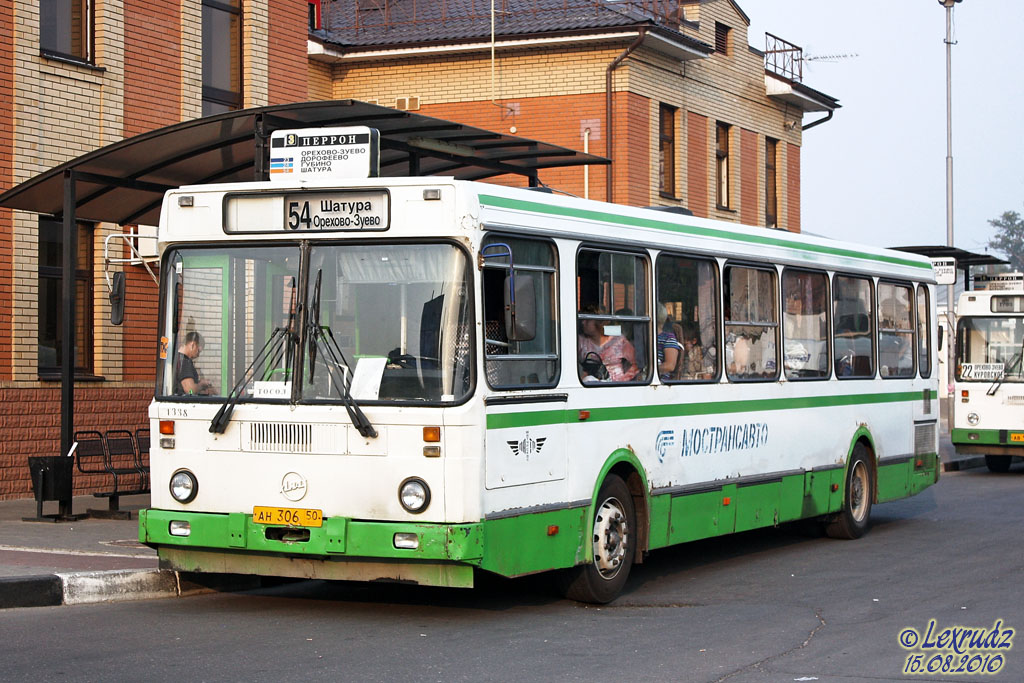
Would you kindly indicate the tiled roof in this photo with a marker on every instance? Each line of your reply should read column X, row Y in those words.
column 378, row 23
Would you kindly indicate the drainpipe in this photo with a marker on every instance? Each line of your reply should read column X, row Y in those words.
column 586, row 167
column 609, row 127
column 820, row 121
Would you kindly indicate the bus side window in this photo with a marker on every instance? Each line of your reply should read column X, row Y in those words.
column 895, row 330
column 924, row 326
column 688, row 292
column 521, row 364
column 751, row 324
column 613, row 324
column 853, row 339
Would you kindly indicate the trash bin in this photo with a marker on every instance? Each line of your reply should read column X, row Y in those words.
column 51, row 477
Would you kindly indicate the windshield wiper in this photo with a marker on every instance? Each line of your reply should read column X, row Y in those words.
column 279, row 339
column 1009, row 367
column 323, row 340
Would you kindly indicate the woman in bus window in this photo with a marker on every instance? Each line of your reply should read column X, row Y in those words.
column 615, row 352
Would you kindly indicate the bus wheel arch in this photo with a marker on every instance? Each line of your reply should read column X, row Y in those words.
column 618, row 532
column 860, row 491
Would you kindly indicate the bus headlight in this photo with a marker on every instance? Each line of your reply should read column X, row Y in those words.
column 184, row 486
column 973, row 419
column 414, row 495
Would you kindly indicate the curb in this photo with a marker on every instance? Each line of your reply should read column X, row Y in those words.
column 115, row 585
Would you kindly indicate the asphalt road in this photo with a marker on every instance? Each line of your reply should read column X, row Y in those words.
column 774, row 605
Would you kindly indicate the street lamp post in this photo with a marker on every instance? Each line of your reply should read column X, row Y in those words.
column 948, row 4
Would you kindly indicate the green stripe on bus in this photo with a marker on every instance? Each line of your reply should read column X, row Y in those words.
column 546, row 417
column 587, row 214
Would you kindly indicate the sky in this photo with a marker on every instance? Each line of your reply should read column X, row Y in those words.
column 876, row 173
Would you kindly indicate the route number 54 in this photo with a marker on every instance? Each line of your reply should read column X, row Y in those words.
column 298, row 215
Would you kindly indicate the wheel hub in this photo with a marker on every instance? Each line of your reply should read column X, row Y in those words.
column 611, row 538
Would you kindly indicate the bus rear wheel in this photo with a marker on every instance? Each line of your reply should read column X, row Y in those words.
column 852, row 520
column 614, row 545
column 998, row 463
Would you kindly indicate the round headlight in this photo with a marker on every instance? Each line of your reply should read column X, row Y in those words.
column 973, row 419
column 184, row 486
column 414, row 495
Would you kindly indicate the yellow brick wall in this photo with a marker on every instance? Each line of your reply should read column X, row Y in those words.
column 727, row 88
column 191, row 59
column 255, row 34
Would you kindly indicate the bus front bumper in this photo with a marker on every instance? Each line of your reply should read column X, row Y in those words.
column 444, row 554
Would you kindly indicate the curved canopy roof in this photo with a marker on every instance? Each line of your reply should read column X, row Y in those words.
column 124, row 182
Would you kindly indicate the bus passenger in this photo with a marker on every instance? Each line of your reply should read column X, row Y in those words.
column 667, row 345
column 615, row 352
column 186, row 377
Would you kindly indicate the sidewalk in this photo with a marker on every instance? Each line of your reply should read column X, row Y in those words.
column 90, row 560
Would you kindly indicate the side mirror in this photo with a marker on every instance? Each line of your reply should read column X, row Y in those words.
column 941, row 335
column 117, row 299
column 520, row 308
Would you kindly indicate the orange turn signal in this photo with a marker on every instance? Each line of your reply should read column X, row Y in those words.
column 552, row 530
column 167, row 427
column 432, row 434
column 584, row 415
column 726, row 500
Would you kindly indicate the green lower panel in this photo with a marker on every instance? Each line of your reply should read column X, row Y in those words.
column 757, row 506
column 978, row 437
column 893, row 481
column 337, row 536
column 525, row 544
column 697, row 516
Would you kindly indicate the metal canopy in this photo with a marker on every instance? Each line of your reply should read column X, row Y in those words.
column 124, row 182
column 964, row 259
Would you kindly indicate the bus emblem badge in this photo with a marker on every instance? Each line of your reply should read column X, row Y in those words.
column 527, row 446
column 293, row 486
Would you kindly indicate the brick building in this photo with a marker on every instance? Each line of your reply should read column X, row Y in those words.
column 670, row 91
column 689, row 113
column 75, row 76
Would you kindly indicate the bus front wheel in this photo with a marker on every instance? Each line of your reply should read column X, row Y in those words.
column 998, row 463
column 852, row 520
column 614, row 544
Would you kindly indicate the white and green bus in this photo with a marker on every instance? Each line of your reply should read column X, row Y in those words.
column 416, row 379
column 989, row 382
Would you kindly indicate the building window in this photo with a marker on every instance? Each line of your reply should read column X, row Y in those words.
column 667, row 151
column 771, row 193
column 722, row 164
column 722, row 38
column 65, row 28
column 222, row 56
column 314, row 15
column 51, row 283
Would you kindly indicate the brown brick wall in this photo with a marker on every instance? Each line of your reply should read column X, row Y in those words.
column 140, row 326
column 697, row 164
column 749, row 167
column 793, row 187
column 30, row 423
column 6, row 180
column 288, row 64
column 152, row 65
column 556, row 120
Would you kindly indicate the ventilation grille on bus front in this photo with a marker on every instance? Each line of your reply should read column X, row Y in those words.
column 924, row 439
column 1013, row 400
column 280, row 437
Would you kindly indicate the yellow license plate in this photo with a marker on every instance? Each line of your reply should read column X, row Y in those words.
column 1017, row 437
column 287, row 516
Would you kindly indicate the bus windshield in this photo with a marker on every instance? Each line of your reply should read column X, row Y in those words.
column 382, row 323
column 989, row 349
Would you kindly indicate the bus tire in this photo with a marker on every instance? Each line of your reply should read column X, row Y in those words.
column 614, row 546
column 852, row 521
column 998, row 463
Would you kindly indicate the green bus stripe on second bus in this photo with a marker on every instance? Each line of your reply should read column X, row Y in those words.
column 547, row 417
column 587, row 214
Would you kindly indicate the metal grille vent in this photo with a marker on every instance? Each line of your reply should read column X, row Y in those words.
column 1014, row 400
column 924, row 439
column 280, row 437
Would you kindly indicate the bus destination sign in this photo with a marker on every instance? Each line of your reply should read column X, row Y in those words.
column 336, row 211
column 311, row 153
